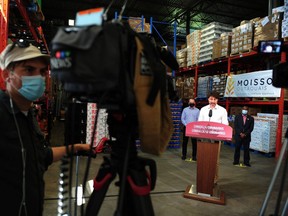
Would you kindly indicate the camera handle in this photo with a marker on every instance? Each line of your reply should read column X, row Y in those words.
column 282, row 158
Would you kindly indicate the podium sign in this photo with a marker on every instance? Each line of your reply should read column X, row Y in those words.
column 209, row 130
column 207, row 157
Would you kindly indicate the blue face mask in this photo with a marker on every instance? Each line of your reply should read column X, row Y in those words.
column 244, row 112
column 33, row 87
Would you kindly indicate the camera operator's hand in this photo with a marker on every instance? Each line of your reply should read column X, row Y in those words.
column 81, row 147
column 78, row 149
column 84, row 150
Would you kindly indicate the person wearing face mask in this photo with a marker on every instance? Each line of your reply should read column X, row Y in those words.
column 189, row 114
column 243, row 126
column 24, row 155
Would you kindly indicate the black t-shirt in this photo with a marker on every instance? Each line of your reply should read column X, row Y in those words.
column 36, row 155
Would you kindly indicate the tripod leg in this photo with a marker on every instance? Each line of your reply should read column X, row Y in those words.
column 285, row 209
column 275, row 174
column 282, row 186
column 135, row 184
column 140, row 183
column 102, row 181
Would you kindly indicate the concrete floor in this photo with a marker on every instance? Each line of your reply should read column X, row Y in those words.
column 245, row 188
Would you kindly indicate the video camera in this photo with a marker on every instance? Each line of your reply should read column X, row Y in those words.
column 98, row 62
column 280, row 71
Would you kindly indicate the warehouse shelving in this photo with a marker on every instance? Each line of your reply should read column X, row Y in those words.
column 248, row 62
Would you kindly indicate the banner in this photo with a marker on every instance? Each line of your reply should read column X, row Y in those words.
column 255, row 84
column 209, row 130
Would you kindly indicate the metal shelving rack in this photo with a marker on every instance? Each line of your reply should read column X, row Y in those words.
column 4, row 5
column 225, row 65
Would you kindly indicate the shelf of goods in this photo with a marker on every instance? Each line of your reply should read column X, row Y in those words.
column 197, row 81
column 176, row 109
column 230, row 53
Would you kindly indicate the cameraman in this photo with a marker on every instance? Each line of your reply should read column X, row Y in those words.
column 24, row 157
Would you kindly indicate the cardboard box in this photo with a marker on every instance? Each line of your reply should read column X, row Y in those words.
column 267, row 28
column 216, row 48
column 138, row 24
column 242, row 38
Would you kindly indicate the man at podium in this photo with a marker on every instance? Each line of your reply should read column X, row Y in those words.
column 214, row 113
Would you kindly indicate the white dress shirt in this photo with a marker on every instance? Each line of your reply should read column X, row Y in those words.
column 219, row 114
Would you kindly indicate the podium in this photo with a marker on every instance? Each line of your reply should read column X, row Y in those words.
column 207, row 154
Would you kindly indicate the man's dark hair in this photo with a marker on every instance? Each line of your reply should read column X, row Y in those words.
column 214, row 94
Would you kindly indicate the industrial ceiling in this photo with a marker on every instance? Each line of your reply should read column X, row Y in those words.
column 188, row 14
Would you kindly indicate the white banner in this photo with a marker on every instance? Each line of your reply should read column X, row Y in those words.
column 255, row 84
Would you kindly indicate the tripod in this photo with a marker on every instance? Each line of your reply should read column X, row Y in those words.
column 135, row 181
column 282, row 158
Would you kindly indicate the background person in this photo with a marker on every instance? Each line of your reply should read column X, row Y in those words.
column 24, row 155
column 243, row 127
column 189, row 114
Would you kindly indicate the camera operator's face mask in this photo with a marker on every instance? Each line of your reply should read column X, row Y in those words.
column 33, row 87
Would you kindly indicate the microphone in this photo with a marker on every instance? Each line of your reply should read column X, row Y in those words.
column 210, row 113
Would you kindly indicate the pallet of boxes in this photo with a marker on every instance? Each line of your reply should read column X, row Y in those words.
column 285, row 21
column 222, row 46
column 193, row 47
column 242, row 37
column 267, row 28
column 209, row 33
column 263, row 137
column 181, row 57
column 185, row 87
column 139, row 24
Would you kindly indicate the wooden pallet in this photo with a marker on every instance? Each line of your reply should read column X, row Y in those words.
column 240, row 99
column 266, row 154
column 220, row 58
column 265, row 99
column 204, row 62
column 193, row 65
column 241, row 52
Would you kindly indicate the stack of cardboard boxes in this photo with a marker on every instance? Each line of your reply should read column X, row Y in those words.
column 204, row 86
column 185, row 87
column 222, row 46
column 263, row 137
column 267, row 28
column 285, row 21
column 193, row 47
column 219, row 83
column 209, row 33
column 138, row 24
column 188, row 87
column 179, row 85
column 242, row 37
column 181, row 57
